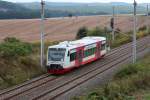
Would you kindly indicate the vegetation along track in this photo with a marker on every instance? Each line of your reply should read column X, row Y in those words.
column 36, row 85
column 44, row 78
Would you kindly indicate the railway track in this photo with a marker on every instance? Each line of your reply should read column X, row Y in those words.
column 54, row 94
column 43, row 87
column 75, row 82
column 43, row 77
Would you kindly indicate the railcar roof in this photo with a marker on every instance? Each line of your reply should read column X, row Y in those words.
column 78, row 43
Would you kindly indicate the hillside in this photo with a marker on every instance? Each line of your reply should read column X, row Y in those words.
column 122, row 8
column 10, row 10
column 8, row 6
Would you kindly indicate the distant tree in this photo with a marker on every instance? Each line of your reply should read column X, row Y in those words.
column 70, row 15
column 82, row 32
column 11, row 39
column 143, row 28
column 112, row 23
column 96, row 32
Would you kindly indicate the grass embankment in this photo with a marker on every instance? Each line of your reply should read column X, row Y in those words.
column 131, row 83
column 19, row 62
column 122, row 38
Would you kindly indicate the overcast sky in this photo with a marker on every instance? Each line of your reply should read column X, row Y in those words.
column 129, row 1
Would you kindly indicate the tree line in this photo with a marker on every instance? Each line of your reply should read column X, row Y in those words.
column 36, row 14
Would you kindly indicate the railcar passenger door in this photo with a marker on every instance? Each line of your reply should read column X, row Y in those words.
column 98, row 50
column 79, row 56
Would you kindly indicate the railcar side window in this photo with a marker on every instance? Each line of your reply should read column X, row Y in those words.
column 86, row 53
column 72, row 56
column 89, row 52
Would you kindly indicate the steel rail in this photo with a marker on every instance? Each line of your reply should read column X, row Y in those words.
column 113, row 51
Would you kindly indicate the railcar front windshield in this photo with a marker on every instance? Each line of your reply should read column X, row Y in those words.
column 56, row 54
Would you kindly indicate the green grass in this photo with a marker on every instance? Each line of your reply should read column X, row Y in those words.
column 18, row 70
column 130, row 83
column 143, row 95
column 147, row 97
column 121, row 39
column 19, row 61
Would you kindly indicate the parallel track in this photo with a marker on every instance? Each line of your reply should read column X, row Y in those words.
column 37, row 83
column 62, row 89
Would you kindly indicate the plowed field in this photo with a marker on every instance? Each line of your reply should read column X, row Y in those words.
column 62, row 28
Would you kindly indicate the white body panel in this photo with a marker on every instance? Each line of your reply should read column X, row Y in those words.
column 103, row 52
column 70, row 64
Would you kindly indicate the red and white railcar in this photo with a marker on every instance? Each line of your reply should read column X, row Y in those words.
column 67, row 55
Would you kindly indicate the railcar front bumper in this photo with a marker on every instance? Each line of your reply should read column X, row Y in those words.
column 57, row 69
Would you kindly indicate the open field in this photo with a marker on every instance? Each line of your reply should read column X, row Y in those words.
column 62, row 28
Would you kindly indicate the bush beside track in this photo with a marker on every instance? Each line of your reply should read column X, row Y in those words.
column 122, row 38
column 19, row 61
